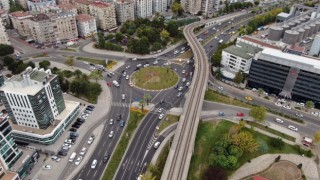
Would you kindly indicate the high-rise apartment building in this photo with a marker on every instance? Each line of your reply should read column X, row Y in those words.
column 37, row 5
column 82, row 6
column 38, row 113
column 191, row 6
column 105, row 14
column 143, row 8
column 159, row 5
column 124, row 10
column 42, row 29
column 4, row 39
column 86, row 25
column 207, row 7
column 20, row 21
column 68, row 8
column 65, row 26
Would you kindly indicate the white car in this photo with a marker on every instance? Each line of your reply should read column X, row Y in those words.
column 128, row 67
column 315, row 113
column 292, row 128
column 160, row 110
column 94, row 164
column 83, row 151
column 278, row 104
column 183, row 71
column 90, row 140
column 111, row 121
column 254, row 89
column 139, row 65
column 111, row 134
column 220, row 88
column 299, row 115
column 134, row 59
column 47, row 167
column 282, row 100
column 127, row 77
column 155, row 62
column 161, row 116
column 175, row 52
column 184, row 79
column 287, row 107
column 146, row 65
column 67, row 145
column 188, row 84
column 180, row 88
column 301, row 104
column 278, row 120
column 78, row 160
column 124, row 74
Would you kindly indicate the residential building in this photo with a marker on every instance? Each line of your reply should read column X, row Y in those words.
column 124, row 10
column 4, row 39
column 65, row 26
column 237, row 58
column 4, row 4
column 291, row 76
column 159, row 6
column 143, row 8
column 82, row 6
column 105, row 14
column 65, row 1
column 86, row 25
column 20, row 21
column 42, row 29
column 68, row 8
column 37, row 110
column 207, row 7
column 38, row 5
column 191, row 6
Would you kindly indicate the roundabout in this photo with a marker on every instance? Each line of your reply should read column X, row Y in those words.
column 154, row 78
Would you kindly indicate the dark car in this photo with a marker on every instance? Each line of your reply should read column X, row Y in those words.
column 73, row 129
column 119, row 117
column 106, row 158
column 74, row 134
column 63, row 153
column 162, row 101
column 78, row 122
column 89, row 109
column 176, row 87
column 75, row 125
column 81, row 120
column 137, row 68
column 122, row 123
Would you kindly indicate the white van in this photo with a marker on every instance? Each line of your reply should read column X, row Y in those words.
column 123, row 97
column 73, row 155
column 156, row 145
column 94, row 164
column 115, row 83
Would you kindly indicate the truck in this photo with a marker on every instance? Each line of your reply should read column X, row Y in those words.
column 220, row 41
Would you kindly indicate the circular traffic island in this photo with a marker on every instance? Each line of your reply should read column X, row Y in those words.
column 154, row 78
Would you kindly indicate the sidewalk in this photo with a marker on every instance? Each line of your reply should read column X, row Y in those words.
column 261, row 163
column 90, row 49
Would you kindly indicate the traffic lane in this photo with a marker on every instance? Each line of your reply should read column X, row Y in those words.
column 270, row 118
column 140, row 141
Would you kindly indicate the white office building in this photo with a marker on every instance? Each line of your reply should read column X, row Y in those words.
column 207, row 7
column 124, row 10
column 159, row 6
column 237, row 58
column 143, row 8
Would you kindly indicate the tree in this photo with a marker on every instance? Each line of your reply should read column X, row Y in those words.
column 156, row 46
column 173, row 28
column 44, row 64
column 165, row 35
column 256, row 3
column 260, row 91
column 258, row 113
column 77, row 73
column 216, row 58
column 245, row 141
column 316, row 136
column 141, row 104
column 119, row 37
column 215, row 173
column 6, row 50
column 65, row 85
column 69, row 61
column 147, row 97
column 7, row 60
column 75, row 88
column 15, row 6
column 96, row 75
column 239, row 77
column 177, row 8
column 277, row 143
column 101, row 40
column 148, row 176
column 309, row 105
column 30, row 64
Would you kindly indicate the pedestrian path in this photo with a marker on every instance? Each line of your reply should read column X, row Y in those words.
column 120, row 104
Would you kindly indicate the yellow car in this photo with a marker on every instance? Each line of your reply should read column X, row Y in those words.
column 248, row 98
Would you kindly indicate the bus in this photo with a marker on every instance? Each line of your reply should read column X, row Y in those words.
column 73, row 155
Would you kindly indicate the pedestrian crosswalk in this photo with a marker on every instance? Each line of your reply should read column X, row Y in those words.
column 120, row 104
column 152, row 141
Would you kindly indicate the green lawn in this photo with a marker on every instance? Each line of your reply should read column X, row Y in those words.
column 155, row 78
column 210, row 132
column 135, row 118
column 93, row 61
column 212, row 95
column 68, row 49
column 275, row 132
column 165, row 123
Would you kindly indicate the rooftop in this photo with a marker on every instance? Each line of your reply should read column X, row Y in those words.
column 40, row 17
column 100, row 4
column 3, row 117
column 260, row 43
column 70, row 106
column 18, row 14
column 26, row 154
column 243, row 50
column 124, row 1
column 84, row 17
column 9, row 176
column 291, row 60
column 83, row 2
column 66, row 6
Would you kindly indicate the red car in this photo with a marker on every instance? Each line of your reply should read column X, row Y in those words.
column 109, row 84
column 240, row 114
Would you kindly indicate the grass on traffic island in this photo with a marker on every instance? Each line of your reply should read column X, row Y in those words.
column 68, row 49
column 215, row 96
column 210, row 132
column 185, row 55
column 132, row 124
column 154, row 78
column 167, row 121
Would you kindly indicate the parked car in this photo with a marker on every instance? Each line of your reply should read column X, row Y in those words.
column 73, row 129
column 83, row 151
column 180, row 88
column 160, row 110
column 221, row 113
column 78, row 160
column 90, row 140
column 248, row 98
column 47, row 167
column 179, row 94
column 63, row 153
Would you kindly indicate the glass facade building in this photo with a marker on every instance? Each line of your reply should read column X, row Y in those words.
column 290, row 76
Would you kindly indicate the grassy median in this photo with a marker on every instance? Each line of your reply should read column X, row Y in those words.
column 168, row 120
column 132, row 124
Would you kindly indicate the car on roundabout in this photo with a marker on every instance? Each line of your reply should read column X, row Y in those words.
column 248, row 98
column 278, row 104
